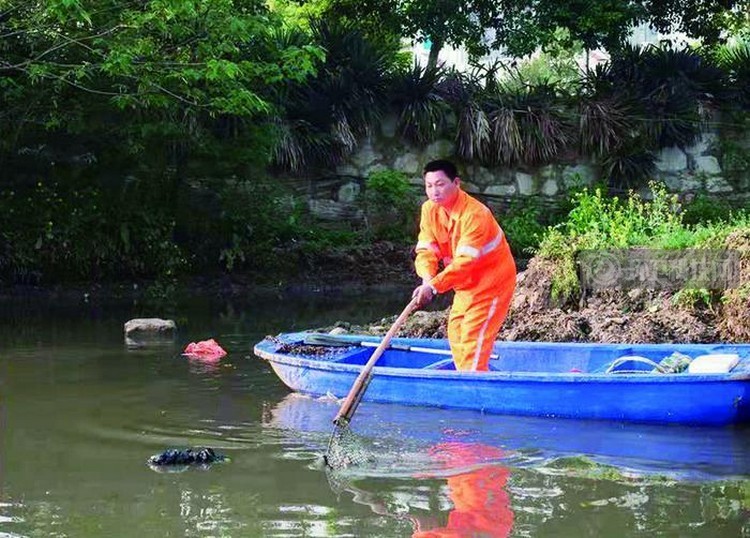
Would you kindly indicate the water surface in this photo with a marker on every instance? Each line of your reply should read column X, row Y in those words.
column 81, row 413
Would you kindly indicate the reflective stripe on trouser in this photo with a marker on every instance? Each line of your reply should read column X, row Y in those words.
column 473, row 325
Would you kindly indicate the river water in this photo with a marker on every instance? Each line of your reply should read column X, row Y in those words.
column 81, row 412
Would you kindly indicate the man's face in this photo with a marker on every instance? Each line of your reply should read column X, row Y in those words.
column 440, row 189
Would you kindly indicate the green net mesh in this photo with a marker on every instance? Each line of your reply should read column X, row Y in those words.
column 345, row 449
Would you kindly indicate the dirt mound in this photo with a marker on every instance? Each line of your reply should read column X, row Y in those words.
column 534, row 287
column 637, row 316
column 608, row 316
column 420, row 324
column 734, row 317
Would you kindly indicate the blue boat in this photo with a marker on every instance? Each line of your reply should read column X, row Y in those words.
column 620, row 382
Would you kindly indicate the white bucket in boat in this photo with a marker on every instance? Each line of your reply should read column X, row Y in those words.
column 714, row 363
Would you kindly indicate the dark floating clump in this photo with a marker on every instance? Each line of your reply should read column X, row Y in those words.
column 185, row 457
column 291, row 348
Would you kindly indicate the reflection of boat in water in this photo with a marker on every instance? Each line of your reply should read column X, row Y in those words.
column 677, row 451
column 463, row 473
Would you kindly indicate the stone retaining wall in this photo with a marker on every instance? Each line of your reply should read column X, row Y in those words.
column 333, row 194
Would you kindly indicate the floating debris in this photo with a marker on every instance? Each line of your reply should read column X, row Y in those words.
column 319, row 351
column 182, row 458
column 206, row 350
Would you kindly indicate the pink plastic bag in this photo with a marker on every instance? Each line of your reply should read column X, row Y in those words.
column 207, row 350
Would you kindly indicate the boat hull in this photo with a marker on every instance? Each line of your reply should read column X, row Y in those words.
column 557, row 391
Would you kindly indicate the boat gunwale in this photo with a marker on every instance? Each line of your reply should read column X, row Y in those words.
column 495, row 375
column 442, row 343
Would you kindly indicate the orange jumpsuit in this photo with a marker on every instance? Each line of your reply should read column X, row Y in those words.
column 478, row 266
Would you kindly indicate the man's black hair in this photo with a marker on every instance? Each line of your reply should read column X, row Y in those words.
column 444, row 165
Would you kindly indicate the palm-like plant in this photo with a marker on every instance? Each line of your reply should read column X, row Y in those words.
column 507, row 141
column 472, row 102
column 644, row 99
column 604, row 120
column 422, row 109
column 474, row 133
column 670, row 88
column 543, row 127
column 456, row 88
column 289, row 152
column 735, row 62
column 322, row 119
column 629, row 165
column 359, row 69
column 301, row 144
column 603, row 126
column 512, row 121
column 673, row 116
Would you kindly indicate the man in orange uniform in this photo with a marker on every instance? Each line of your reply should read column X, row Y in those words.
column 461, row 233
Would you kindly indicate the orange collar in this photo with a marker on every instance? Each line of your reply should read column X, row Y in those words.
column 458, row 206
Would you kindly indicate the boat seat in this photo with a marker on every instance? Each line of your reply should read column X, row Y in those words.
column 440, row 365
column 447, row 364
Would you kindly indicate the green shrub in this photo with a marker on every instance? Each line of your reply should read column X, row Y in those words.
column 390, row 206
column 704, row 209
column 255, row 217
column 694, row 298
column 241, row 225
column 523, row 227
column 599, row 222
column 78, row 230
column 561, row 250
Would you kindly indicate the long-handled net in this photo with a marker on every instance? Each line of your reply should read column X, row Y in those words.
column 343, row 448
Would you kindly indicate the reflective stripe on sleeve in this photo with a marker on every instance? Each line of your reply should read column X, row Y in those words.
column 466, row 250
column 428, row 245
column 492, row 245
column 472, row 252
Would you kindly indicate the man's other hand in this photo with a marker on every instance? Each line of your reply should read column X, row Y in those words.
column 424, row 294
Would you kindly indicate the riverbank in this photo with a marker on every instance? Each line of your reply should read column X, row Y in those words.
column 606, row 316
column 380, row 266
column 383, row 267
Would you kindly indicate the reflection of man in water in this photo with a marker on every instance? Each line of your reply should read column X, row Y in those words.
column 481, row 506
column 476, row 485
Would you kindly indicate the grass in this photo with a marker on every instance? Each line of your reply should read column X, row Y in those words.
column 598, row 222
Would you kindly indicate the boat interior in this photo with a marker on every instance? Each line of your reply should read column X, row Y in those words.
column 571, row 358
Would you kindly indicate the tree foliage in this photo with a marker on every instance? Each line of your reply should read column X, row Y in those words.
column 153, row 54
column 522, row 26
column 137, row 133
column 178, row 63
column 125, row 102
